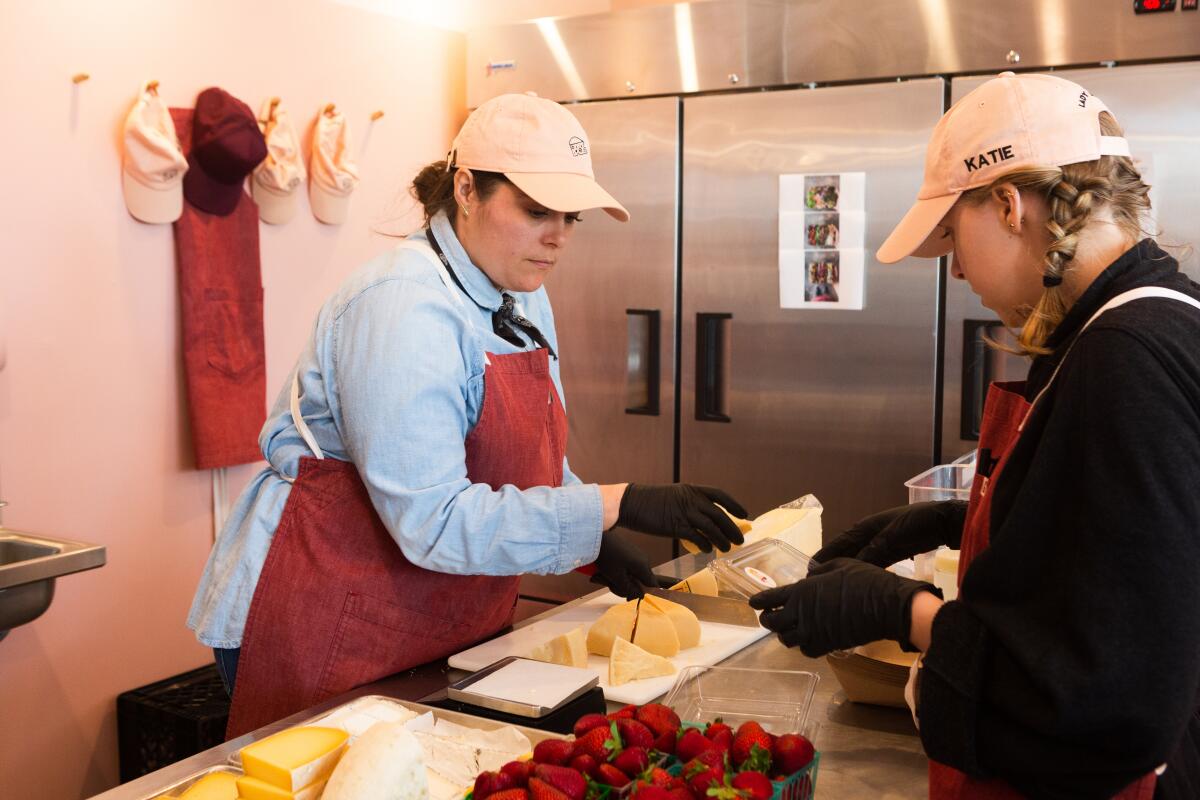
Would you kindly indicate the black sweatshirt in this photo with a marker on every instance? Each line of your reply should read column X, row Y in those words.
column 1070, row 665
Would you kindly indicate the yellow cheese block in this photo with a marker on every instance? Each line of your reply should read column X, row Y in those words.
column 743, row 525
column 256, row 789
column 655, row 631
column 569, row 649
column 703, row 582
column 630, row 663
column 687, row 626
column 214, row 786
column 293, row 759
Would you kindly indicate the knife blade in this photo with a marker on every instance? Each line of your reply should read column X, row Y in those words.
column 724, row 610
column 637, row 613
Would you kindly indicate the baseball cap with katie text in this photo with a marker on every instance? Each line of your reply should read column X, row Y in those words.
column 1011, row 122
column 333, row 174
column 277, row 179
column 538, row 145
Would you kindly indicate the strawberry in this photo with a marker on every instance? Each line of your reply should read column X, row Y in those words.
column 540, row 790
column 792, row 753
column 634, row 733
column 490, row 783
column 665, row 743
column 625, row 712
column 584, row 764
column 657, row 776
column 599, row 743
column 510, row 794
column 691, row 744
column 632, row 761
column 518, row 771
column 607, row 773
column 681, row 792
column 589, row 721
column 753, row 785
column 712, row 729
column 722, row 739
column 565, row 779
column 646, row 791
column 658, row 718
column 705, row 770
column 749, row 734
column 552, row 751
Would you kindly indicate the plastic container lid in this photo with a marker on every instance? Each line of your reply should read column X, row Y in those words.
column 944, row 482
column 755, row 567
column 779, row 700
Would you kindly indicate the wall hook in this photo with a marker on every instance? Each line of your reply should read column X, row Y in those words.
column 80, row 77
column 377, row 115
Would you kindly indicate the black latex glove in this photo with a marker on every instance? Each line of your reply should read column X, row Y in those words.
column 682, row 511
column 896, row 534
column 842, row 604
column 623, row 568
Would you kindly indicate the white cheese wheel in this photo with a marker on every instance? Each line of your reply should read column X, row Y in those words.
column 655, row 631
column 703, row 582
column 568, row 649
column 295, row 758
column 214, row 786
column 630, row 663
column 384, row 764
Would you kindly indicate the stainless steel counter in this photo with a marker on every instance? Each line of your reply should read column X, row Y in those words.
column 866, row 751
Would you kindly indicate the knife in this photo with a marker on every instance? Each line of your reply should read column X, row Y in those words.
column 637, row 613
column 724, row 610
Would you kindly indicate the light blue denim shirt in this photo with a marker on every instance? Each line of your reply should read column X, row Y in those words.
column 392, row 380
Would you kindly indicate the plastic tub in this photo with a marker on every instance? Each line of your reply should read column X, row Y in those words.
column 765, row 564
column 779, row 700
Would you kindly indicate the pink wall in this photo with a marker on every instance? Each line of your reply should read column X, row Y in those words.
column 93, row 429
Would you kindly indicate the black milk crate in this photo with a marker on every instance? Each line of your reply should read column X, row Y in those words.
column 172, row 719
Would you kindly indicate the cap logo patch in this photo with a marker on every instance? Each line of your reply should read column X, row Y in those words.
column 1083, row 96
column 578, row 146
column 988, row 158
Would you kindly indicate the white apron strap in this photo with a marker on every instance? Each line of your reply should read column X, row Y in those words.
column 298, row 419
column 1120, row 300
column 432, row 257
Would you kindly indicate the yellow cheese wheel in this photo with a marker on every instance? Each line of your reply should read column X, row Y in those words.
column 655, row 631
column 568, row 649
column 255, row 789
column 214, row 786
column 630, row 663
column 703, row 582
column 293, row 759
column 687, row 626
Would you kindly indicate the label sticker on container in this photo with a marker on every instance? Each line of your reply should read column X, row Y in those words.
column 758, row 576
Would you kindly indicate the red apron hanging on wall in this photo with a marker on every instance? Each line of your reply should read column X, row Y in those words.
column 220, row 294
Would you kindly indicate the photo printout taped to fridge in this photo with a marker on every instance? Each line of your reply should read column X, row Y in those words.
column 534, row 683
column 822, row 230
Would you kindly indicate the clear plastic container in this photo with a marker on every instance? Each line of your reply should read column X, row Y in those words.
column 944, row 482
column 763, row 565
column 779, row 700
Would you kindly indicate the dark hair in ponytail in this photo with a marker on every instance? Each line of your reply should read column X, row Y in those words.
column 434, row 188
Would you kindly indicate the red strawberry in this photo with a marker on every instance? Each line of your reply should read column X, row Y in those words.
column 681, row 792
column 589, row 721
column 540, row 790
column 599, row 743
column 713, row 728
column 748, row 735
column 607, row 773
column 490, row 783
column 518, row 771
column 510, row 794
column 665, row 743
column 704, row 770
column 565, row 779
column 625, row 712
column 584, row 764
column 646, row 791
column 755, row 785
column 634, row 733
column 632, row 761
column 657, row 776
column 691, row 744
column 792, row 753
column 553, row 751
column 722, row 739
column 658, row 718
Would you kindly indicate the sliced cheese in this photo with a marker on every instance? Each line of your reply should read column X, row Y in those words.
column 295, row 758
column 214, row 786
column 630, row 663
column 384, row 764
column 569, row 649
column 256, row 789
column 703, row 582
column 655, row 631
column 742, row 525
column 687, row 626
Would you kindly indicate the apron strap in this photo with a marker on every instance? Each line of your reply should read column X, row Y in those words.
column 298, row 419
column 425, row 250
column 1120, row 300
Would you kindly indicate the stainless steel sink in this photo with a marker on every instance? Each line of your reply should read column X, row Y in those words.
column 29, row 564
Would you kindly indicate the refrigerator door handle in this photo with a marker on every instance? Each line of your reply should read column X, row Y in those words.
column 643, row 362
column 713, row 340
column 977, row 373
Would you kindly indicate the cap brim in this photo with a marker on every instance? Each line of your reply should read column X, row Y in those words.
column 912, row 236
column 566, row 191
column 327, row 207
column 155, row 206
column 274, row 208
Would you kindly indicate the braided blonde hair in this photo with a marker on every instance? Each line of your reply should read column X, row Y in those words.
column 1072, row 192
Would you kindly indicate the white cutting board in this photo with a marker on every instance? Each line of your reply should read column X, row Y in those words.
column 717, row 642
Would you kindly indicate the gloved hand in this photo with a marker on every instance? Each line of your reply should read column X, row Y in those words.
column 896, row 534
column 682, row 511
column 623, row 568
column 843, row 603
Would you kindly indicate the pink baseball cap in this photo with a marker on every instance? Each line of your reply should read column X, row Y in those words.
column 1010, row 122
column 153, row 165
column 539, row 146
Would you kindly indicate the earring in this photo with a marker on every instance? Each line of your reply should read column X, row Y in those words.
column 1011, row 225
column 464, row 210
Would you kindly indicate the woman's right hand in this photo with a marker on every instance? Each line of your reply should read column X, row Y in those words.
column 682, row 511
column 896, row 534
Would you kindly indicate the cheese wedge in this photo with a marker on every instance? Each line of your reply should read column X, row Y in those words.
column 295, row 758
column 256, row 789
column 655, row 631
column 743, row 525
column 687, row 626
column 214, row 786
column 569, row 649
column 703, row 582
column 630, row 663
column 386, row 763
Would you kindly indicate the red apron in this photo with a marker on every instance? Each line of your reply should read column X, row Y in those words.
column 338, row 605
